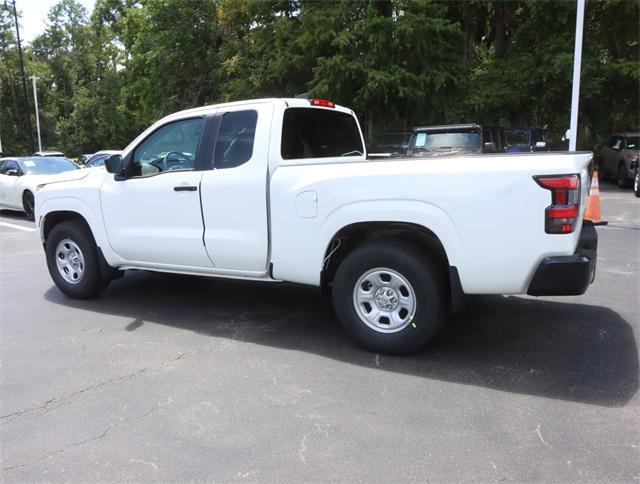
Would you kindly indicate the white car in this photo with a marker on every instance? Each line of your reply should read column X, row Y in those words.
column 19, row 178
column 282, row 190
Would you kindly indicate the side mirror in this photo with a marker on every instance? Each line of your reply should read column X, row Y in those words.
column 490, row 147
column 113, row 164
column 12, row 172
column 541, row 144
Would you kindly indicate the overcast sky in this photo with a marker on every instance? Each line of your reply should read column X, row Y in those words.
column 34, row 16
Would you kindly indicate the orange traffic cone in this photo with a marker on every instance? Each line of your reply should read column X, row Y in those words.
column 593, row 201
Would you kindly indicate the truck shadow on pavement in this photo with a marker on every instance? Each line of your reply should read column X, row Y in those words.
column 558, row 350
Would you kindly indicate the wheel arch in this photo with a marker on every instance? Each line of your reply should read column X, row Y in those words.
column 418, row 236
column 51, row 219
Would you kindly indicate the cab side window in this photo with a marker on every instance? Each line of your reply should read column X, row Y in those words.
column 616, row 142
column 234, row 144
column 171, row 147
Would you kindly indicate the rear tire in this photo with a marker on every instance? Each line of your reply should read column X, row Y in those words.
column 389, row 297
column 28, row 204
column 72, row 260
column 636, row 182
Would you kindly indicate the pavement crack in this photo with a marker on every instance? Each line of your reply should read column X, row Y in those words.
column 57, row 402
column 61, row 450
column 303, row 449
column 539, row 432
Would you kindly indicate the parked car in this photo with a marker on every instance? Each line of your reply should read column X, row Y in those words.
column 617, row 155
column 453, row 139
column 19, row 178
column 493, row 139
column 388, row 143
column 521, row 140
column 56, row 154
column 97, row 159
column 82, row 159
column 281, row 190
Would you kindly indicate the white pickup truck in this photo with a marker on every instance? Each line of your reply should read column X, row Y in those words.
column 281, row 190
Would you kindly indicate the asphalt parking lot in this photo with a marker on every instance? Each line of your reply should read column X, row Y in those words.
column 173, row 378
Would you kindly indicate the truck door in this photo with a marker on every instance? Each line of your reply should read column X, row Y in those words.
column 234, row 194
column 153, row 216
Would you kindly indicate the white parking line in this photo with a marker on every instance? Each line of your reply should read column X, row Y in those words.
column 19, row 227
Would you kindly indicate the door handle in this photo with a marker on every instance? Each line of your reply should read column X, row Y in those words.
column 185, row 188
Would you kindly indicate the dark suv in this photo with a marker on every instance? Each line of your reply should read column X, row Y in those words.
column 617, row 155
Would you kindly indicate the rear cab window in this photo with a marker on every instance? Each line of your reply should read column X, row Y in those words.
column 319, row 133
column 234, row 143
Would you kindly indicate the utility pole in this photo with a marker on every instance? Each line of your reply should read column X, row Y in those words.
column 577, row 60
column 24, row 78
column 35, row 101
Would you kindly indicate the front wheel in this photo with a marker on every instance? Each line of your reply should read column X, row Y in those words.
column 623, row 181
column 636, row 183
column 28, row 204
column 389, row 297
column 72, row 260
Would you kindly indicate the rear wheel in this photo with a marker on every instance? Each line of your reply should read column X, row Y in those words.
column 636, row 182
column 389, row 297
column 72, row 260
column 28, row 204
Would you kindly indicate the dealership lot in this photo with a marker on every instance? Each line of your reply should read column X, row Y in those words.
column 175, row 378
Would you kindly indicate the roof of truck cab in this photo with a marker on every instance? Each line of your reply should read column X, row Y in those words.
column 286, row 102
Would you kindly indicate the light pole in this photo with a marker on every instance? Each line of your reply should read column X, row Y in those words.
column 35, row 101
column 24, row 81
column 577, row 60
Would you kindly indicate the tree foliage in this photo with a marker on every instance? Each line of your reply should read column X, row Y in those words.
column 107, row 74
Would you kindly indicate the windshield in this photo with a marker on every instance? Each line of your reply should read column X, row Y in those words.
column 633, row 142
column 47, row 165
column 423, row 141
column 97, row 160
column 390, row 140
column 516, row 137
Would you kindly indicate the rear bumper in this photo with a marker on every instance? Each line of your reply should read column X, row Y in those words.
column 568, row 275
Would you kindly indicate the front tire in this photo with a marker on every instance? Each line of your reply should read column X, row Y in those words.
column 72, row 260
column 636, row 183
column 622, row 180
column 389, row 297
column 28, row 204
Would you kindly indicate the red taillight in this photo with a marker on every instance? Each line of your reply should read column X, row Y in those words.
column 570, row 182
column 561, row 216
column 563, row 211
column 322, row 102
